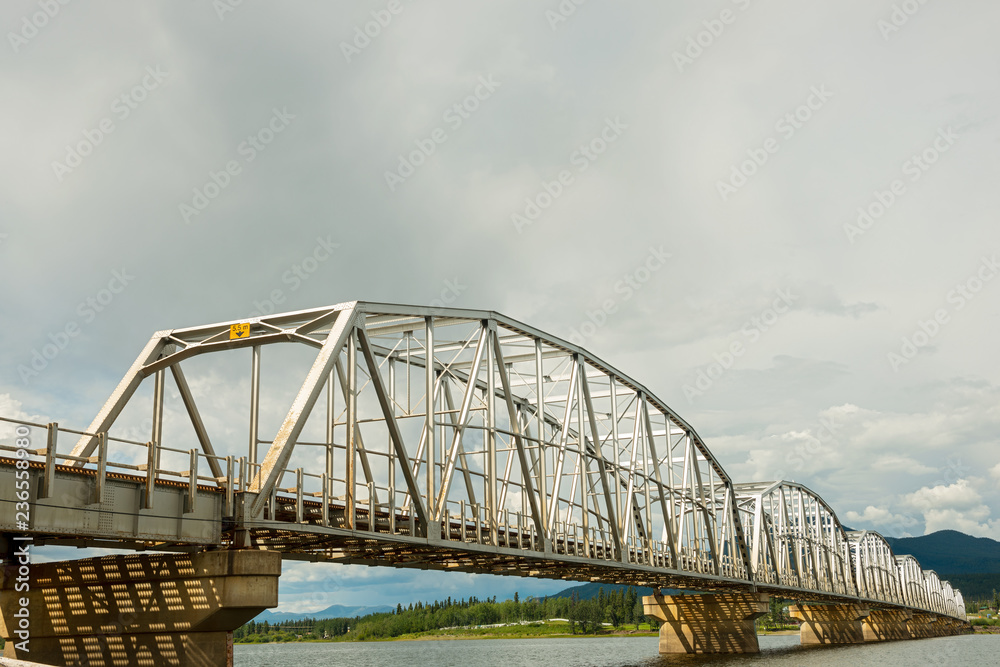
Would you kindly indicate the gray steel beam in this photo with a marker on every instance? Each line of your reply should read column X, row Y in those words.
column 119, row 398
column 463, row 418
column 529, row 490
column 394, row 432
column 283, row 444
column 196, row 421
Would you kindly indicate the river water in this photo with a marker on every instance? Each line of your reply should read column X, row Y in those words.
column 614, row 652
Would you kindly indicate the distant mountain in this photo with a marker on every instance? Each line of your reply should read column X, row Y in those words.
column 950, row 552
column 974, row 586
column 589, row 591
column 333, row 611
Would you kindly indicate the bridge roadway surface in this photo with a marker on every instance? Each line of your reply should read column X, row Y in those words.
column 532, row 458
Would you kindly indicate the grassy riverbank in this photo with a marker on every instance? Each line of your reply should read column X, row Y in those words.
column 543, row 629
column 546, row 629
column 537, row 630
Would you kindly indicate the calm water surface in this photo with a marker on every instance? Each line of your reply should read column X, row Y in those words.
column 614, row 652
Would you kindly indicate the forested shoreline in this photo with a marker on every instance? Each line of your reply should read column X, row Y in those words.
column 612, row 610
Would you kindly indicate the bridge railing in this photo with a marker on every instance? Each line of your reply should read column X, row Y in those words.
column 144, row 460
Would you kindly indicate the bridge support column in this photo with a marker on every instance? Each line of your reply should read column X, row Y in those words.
column 886, row 625
column 942, row 627
column 721, row 623
column 921, row 626
column 139, row 609
column 830, row 624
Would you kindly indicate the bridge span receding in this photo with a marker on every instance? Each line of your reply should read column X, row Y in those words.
column 531, row 458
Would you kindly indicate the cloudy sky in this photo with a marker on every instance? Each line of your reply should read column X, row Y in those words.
column 780, row 217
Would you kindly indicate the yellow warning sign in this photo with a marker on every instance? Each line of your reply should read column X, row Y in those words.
column 241, row 330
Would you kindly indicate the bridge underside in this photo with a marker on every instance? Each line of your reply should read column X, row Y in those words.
column 173, row 610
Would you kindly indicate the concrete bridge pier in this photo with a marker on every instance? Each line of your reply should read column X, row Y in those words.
column 138, row 609
column 946, row 627
column 830, row 623
column 718, row 623
column 922, row 626
column 886, row 625
column 926, row 625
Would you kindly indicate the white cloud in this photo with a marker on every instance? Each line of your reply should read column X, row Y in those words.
column 878, row 517
column 957, row 506
column 958, row 496
column 900, row 463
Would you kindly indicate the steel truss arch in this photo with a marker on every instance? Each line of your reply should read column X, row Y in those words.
column 519, row 423
column 875, row 567
column 795, row 538
column 912, row 583
column 465, row 440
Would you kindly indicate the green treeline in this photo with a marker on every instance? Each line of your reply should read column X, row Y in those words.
column 290, row 631
column 985, row 602
column 617, row 608
column 979, row 587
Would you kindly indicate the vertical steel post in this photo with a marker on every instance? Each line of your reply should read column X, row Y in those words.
column 298, row 496
column 325, row 511
column 352, row 426
column 49, row 478
column 229, row 509
column 581, row 462
column 331, row 417
column 429, row 427
column 491, row 435
column 616, row 469
column 192, row 494
column 157, row 412
column 391, row 483
column 254, row 401
column 102, row 466
column 540, row 426
column 151, row 458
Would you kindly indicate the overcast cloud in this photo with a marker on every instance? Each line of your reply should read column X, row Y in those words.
column 780, row 217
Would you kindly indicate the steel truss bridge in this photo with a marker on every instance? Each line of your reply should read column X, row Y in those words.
column 439, row 439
